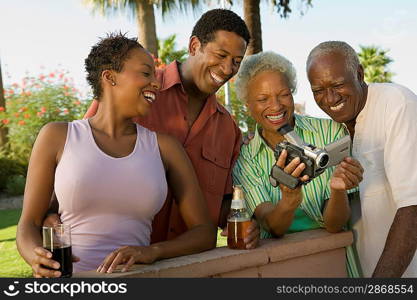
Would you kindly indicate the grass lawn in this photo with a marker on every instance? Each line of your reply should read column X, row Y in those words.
column 221, row 240
column 11, row 264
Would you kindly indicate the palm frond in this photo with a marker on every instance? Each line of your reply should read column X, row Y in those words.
column 111, row 7
column 183, row 6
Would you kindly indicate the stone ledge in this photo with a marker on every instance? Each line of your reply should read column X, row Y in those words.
column 10, row 202
column 223, row 260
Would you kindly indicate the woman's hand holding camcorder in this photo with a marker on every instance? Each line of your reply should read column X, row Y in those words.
column 293, row 168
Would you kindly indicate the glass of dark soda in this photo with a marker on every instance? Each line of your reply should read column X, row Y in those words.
column 57, row 240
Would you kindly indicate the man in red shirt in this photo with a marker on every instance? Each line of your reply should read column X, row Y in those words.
column 186, row 107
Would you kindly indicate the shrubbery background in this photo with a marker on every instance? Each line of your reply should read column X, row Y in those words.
column 30, row 105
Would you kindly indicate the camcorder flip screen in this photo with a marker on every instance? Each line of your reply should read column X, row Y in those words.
column 338, row 150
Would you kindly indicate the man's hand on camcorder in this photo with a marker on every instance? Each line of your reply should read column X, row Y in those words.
column 347, row 175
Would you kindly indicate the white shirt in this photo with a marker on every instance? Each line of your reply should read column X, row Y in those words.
column 385, row 143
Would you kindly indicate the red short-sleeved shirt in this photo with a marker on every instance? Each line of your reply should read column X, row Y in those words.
column 212, row 144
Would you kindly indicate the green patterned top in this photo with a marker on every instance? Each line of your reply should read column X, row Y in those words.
column 256, row 160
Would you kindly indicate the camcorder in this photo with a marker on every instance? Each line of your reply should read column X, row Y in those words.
column 316, row 160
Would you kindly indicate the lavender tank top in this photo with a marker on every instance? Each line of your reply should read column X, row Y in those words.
column 109, row 202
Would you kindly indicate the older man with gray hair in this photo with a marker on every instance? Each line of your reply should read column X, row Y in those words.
column 380, row 118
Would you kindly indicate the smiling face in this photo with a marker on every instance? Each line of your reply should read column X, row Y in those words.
column 338, row 91
column 135, row 86
column 217, row 61
column 270, row 102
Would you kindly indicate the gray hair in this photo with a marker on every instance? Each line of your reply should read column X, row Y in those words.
column 352, row 61
column 254, row 64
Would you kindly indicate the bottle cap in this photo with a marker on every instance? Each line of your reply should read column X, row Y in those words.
column 238, row 193
column 238, row 201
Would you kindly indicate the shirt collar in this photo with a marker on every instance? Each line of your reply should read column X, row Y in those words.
column 301, row 124
column 171, row 76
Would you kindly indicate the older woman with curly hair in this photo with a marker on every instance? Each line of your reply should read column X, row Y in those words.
column 266, row 82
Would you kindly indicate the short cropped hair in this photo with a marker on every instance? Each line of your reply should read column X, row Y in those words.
column 254, row 64
column 352, row 61
column 109, row 53
column 219, row 19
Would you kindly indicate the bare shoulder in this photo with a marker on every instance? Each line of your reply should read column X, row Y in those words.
column 171, row 150
column 53, row 136
column 167, row 142
column 56, row 130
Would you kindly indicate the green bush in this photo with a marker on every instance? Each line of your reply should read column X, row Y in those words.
column 10, row 168
column 33, row 103
column 15, row 185
column 238, row 109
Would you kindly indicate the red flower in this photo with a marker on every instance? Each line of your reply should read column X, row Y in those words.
column 52, row 75
column 77, row 102
column 161, row 66
column 27, row 116
column 43, row 109
column 5, row 121
column 41, row 77
column 39, row 114
column 65, row 87
column 1, row 108
column 66, row 111
column 66, row 94
column 21, row 122
column 17, row 115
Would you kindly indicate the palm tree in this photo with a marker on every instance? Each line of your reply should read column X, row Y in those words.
column 374, row 61
column 3, row 130
column 143, row 10
column 252, row 16
column 168, row 52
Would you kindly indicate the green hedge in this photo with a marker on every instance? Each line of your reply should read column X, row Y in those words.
column 9, row 169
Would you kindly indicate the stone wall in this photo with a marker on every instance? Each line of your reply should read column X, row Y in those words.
column 314, row 253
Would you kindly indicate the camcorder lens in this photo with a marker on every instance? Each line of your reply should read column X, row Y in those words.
column 323, row 160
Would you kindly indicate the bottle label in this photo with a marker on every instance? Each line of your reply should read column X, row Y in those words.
column 238, row 219
column 237, row 204
column 236, row 233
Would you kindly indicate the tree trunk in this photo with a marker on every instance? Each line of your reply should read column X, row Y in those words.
column 3, row 131
column 146, row 26
column 252, row 18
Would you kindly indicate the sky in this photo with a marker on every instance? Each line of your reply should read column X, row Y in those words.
column 40, row 36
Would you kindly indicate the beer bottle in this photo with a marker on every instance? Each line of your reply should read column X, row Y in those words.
column 238, row 220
